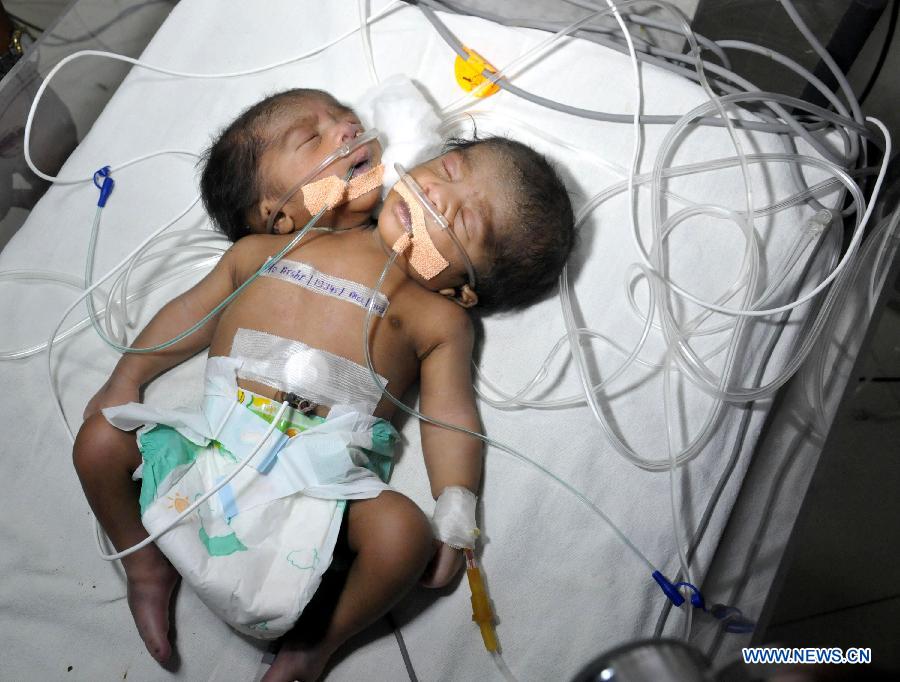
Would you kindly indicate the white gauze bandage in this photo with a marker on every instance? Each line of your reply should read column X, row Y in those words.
column 317, row 375
column 409, row 127
column 453, row 521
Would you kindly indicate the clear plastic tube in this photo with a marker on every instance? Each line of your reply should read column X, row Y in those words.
column 370, row 312
column 771, row 387
column 77, row 283
column 171, row 72
column 367, row 39
column 882, row 260
column 790, row 125
column 437, row 217
column 512, row 399
column 39, row 276
column 125, row 279
column 652, row 261
column 842, row 177
column 522, row 61
column 639, row 20
column 212, row 313
column 703, row 378
column 200, row 500
column 342, row 152
column 680, row 541
column 825, row 56
column 204, row 258
column 679, row 335
column 87, row 292
column 518, row 400
column 672, row 134
column 873, row 252
column 781, row 272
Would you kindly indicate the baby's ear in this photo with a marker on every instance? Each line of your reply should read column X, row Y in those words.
column 465, row 296
column 283, row 223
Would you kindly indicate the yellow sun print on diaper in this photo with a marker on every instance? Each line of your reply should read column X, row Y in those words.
column 179, row 502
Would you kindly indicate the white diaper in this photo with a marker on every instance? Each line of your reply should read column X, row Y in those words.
column 256, row 551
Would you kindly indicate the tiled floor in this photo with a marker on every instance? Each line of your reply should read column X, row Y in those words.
column 841, row 586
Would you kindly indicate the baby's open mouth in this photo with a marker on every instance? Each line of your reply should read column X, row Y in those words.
column 404, row 214
column 361, row 163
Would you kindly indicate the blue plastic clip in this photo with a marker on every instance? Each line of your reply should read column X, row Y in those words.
column 732, row 619
column 696, row 596
column 668, row 588
column 106, row 187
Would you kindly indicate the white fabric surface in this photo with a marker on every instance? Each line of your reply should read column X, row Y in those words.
column 564, row 588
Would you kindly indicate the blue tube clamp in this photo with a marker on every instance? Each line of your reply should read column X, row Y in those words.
column 668, row 588
column 106, row 187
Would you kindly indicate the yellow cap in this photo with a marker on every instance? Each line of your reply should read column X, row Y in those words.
column 469, row 74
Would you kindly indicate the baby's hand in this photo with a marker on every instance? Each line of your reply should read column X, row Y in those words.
column 445, row 564
column 110, row 394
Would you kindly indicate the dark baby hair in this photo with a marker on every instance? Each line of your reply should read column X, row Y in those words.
column 527, row 260
column 230, row 183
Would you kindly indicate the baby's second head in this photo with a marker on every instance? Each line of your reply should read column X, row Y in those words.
column 509, row 212
column 272, row 146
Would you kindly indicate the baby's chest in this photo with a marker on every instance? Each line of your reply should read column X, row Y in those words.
column 307, row 308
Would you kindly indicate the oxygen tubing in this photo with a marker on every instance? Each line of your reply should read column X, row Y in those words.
column 171, row 72
column 370, row 312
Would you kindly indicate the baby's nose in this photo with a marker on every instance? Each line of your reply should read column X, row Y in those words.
column 441, row 196
column 346, row 131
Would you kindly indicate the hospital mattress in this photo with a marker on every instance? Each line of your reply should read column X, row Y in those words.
column 564, row 586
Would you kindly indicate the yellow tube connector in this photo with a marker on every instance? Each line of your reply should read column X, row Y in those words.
column 481, row 605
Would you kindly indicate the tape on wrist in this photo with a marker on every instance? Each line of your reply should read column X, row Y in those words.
column 453, row 520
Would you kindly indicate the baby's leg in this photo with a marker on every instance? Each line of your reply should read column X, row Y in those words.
column 392, row 541
column 105, row 458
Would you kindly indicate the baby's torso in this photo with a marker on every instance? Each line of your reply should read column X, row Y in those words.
column 299, row 327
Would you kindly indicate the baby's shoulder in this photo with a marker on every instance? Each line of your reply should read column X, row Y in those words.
column 249, row 253
column 438, row 320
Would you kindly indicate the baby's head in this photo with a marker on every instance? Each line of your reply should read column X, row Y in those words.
column 272, row 146
column 510, row 213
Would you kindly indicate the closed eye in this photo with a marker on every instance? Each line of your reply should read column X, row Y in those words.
column 307, row 140
column 460, row 224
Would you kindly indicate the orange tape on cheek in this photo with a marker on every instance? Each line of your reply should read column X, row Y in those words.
column 333, row 191
column 423, row 254
column 365, row 183
column 324, row 193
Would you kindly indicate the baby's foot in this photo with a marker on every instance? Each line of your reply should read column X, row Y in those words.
column 151, row 581
column 294, row 662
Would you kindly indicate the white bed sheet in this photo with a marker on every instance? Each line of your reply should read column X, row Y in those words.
column 564, row 588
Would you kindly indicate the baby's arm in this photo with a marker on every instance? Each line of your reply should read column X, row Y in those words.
column 451, row 458
column 134, row 370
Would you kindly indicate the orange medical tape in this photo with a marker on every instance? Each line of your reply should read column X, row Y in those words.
column 333, row 191
column 324, row 193
column 423, row 254
column 365, row 183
